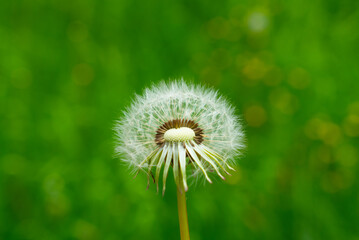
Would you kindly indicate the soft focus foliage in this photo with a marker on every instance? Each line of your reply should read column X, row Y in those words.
column 68, row 68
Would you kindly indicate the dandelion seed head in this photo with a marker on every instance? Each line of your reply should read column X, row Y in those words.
column 179, row 134
column 177, row 125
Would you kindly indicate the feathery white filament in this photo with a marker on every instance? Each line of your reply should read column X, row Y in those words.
column 179, row 134
column 207, row 136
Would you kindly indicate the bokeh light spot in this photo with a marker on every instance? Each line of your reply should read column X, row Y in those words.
column 254, row 69
column 273, row 77
column 84, row 230
column 57, row 206
column 329, row 132
column 333, row 182
column 257, row 22
column 347, row 155
column 21, row 78
column 77, row 31
column 299, row 78
column 235, row 31
column 211, row 75
column 53, row 184
column 218, row 28
column 283, row 100
column 255, row 116
column 351, row 122
column 13, row 164
column 82, row 74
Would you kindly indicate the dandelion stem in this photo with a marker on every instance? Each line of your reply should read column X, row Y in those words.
column 182, row 210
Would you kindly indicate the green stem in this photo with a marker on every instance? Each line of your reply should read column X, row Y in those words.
column 182, row 210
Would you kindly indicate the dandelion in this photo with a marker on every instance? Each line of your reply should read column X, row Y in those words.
column 188, row 128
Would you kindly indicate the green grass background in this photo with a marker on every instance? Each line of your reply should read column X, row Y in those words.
column 68, row 69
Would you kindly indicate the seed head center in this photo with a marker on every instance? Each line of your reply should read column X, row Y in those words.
column 179, row 134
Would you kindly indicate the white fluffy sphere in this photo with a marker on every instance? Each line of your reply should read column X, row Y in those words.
column 157, row 131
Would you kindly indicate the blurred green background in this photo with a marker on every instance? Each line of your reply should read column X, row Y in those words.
column 68, row 69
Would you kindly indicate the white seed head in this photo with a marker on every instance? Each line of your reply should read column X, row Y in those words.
column 181, row 134
column 186, row 127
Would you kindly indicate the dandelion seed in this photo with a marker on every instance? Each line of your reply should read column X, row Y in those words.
column 179, row 126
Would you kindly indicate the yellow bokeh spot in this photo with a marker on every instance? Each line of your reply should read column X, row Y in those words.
column 299, row 78
column 235, row 31
column 333, row 182
column 351, row 125
column 351, row 122
column 77, row 31
column 255, row 69
column 283, row 100
column 84, row 230
column 354, row 108
column 273, row 77
column 255, row 116
column 329, row 132
column 324, row 154
column 347, row 155
column 211, row 75
column 82, row 74
column 218, row 28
